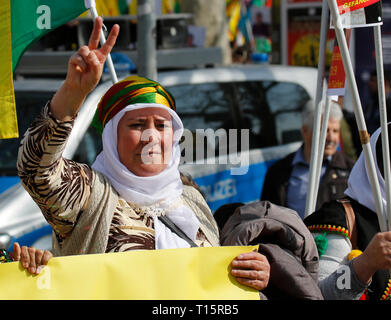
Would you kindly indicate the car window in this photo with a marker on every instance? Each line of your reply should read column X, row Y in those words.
column 28, row 105
column 255, row 113
column 206, row 105
column 201, row 107
column 286, row 103
column 271, row 110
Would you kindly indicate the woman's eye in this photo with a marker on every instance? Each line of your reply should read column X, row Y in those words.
column 135, row 125
column 164, row 125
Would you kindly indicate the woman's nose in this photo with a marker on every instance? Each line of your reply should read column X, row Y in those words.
column 150, row 135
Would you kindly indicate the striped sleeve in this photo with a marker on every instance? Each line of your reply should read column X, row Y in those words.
column 60, row 187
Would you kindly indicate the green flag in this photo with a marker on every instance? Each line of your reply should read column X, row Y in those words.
column 32, row 19
column 22, row 22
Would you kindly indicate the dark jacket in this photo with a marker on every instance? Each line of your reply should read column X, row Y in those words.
column 332, row 215
column 285, row 241
column 331, row 187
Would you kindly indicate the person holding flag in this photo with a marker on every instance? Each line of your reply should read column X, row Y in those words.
column 351, row 247
column 133, row 197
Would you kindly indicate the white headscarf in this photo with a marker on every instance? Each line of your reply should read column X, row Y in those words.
column 160, row 193
column 359, row 185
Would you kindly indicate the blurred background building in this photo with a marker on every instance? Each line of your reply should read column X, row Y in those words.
column 246, row 31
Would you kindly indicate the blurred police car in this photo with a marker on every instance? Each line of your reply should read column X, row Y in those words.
column 262, row 103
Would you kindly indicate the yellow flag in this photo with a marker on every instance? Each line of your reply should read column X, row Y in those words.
column 8, row 119
column 171, row 274
column 107, row 8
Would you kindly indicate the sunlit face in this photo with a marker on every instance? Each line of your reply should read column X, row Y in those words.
column 332, row 138
column 145, row 138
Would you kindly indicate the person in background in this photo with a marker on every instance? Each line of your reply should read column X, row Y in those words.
column 286, row 181
column 259, row 28
column 31, row 259
column 354, row 255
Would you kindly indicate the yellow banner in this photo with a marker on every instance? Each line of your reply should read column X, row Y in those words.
column 8, row 120
column 172, row 274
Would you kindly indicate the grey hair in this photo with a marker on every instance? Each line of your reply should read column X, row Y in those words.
column 308, row 113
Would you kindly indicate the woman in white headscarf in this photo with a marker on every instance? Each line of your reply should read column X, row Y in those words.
column 354, row 255
column 134, row 190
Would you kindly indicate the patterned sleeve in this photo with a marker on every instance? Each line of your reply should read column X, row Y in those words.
column 60, row 187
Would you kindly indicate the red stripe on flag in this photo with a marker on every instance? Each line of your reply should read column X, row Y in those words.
column 348, row 6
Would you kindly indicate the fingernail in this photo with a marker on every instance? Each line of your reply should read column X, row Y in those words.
column 25, row 265
column 39, row 269
column 32, row 270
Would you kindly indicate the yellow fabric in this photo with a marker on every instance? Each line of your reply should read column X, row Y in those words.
column 107, row 7
column 233, row 11
column 8, row 120
column 186, row 274
column 167, row 6
column 353, row 254
column 133, row 7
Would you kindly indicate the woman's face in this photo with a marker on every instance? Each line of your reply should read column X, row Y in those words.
column 145, row 138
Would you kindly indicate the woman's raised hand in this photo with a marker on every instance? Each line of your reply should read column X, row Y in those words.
column 86, row 65
column 85, row 69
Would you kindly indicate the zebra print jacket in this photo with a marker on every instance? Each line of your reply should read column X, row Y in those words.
column 86, row 213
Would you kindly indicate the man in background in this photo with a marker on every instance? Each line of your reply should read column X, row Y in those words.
column 286, row 181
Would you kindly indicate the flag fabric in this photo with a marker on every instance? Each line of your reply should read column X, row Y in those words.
column 359, row 13
column 8, row 122
column 163, row 7
column 108, row 7
column 336, row 82
column 23, row 22
column 233, row 12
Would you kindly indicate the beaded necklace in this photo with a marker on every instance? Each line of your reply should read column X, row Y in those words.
column 4, row 256
column 155, row 210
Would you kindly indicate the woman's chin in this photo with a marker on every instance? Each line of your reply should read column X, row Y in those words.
column 149, row 170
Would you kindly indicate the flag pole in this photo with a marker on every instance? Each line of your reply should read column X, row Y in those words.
column 364, row 136
column 322, row 143
column 90, row 5
column 312, row 190
column 383, row 120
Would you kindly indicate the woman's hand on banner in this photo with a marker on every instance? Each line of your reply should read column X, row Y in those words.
column 251, row 269
column 31, row 259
